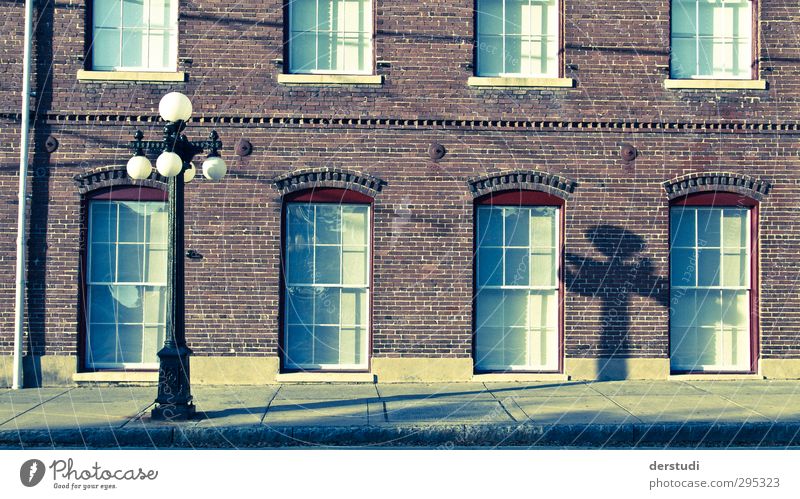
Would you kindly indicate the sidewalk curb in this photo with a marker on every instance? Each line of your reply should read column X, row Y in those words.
column 661, row 435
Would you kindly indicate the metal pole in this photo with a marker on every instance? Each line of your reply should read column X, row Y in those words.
column 19, row 301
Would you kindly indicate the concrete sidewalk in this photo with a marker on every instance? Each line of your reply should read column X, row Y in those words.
column 747, row 413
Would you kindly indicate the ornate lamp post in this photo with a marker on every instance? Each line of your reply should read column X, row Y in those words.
column 174, row 401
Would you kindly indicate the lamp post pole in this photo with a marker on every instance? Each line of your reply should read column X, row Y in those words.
column 174, row 400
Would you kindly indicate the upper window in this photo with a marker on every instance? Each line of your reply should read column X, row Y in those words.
column 134, row 35
column 126, row 279
column 712, row 39
column 330, row 36
column 711, row 289
column 326, row 276
column 517, row 287
column 518, row 38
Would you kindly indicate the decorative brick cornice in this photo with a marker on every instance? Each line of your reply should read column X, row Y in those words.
column 110, row 176
column 717, row 181
column 522, row 180
column 310, row 178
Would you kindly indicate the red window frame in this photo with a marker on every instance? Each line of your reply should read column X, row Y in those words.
column 331, row 195
column 715, row 199
column 118, row 193
column 521, row 198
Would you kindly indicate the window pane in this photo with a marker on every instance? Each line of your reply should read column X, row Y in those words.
column 682, row 227
column 709, row 309
column 152, row 342
column 326, row 14
column 350, row 345
column 103, row 262
column 543, row 266
column 299, row 264
column 128, row 303
column 734, row 269
column 159, row 49
column 354, row 260
column 722, row 57
column 490, row 55
column 162, row 13
column 682, row 267
column 106, row 13
column 299, row 305
column 326, row 306
column 543, row 309
column 300, row 224
column 156, row 271
column 517, row 231
column 490, row 17
column 708, row 267
column 303, row 15
column 490, row 226
column 354, row 307
column 683, row 58
column 515, row 346
column 155, row 306
column 133, row 14
column 743, row 59
column 130, row 344
column 132, row 218
column 489, row 308
column 735, row 309
column 543, row 227
column 490, row 267
column 706, row 345
column 326, row 344
column 355, row 16
column 101, row 305
column 489, row 347
column 328, row 228
column 518, row 17
column 544, row 18
column 354, row 53
column 103, row 222
column 734, row 228
column 683, row 307
column 354, row 224
column 131, row 263
column 515, row 308
column 708, row 225
column 105, row 48
column 134, row 49
column 683, row 15
column 303, row 49
column 102, row 344
column 513, row 54
column 327, row 265
column 299, row 345
column 518, row 267
column 327, row 52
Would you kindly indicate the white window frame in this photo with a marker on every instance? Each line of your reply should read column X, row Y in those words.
column 370, row 34
column 552, row 364
column 747, row 287
column 90, row 283
column 170, row 33
column 697, row 37
column 366, row 289
column 504, row 74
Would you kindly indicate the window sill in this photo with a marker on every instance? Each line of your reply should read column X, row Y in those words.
column 712, row 377
column 512, row 377
column 484, row 81
column 716, row 84
column 324, row 377
column 328, row 79
column 116, row 377
column 138, row 76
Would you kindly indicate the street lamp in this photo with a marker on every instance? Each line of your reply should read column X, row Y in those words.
column 174, row 401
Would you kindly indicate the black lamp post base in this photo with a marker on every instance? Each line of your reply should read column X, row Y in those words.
column 173, row 412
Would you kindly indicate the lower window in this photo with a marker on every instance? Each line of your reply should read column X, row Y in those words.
column 326, row 294
column 126, row 283
column 710, row 289
column 517, row 288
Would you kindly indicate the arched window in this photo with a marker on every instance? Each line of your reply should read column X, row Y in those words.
column 125, row 270
column 713, row 291
column 518, row 281
column 326, row 279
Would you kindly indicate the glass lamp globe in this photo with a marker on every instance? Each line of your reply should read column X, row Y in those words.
column 189, row 174
column 139, row 168
column 169, row 164
column 175, row 106
column 214, row 168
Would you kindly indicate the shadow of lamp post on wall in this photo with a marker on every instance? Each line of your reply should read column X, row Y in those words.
column 174, row 401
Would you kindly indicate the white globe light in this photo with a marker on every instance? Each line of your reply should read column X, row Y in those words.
column 214, row 168
column 169, row 164
column 139, row 167
column 189, row 174
column 175, row 106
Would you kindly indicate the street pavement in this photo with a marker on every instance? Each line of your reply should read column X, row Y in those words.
column 611, row 414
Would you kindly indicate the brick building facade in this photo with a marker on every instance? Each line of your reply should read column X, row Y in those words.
column 613, row 138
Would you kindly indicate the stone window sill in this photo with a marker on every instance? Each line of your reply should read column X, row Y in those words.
column 502, row 81
column 716, row 84
column 137, row 76
column 329, row 79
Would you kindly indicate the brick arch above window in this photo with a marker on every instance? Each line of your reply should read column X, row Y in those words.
column 114, row 176
column 738, row 183
column 337, row 178
column 530, row 180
